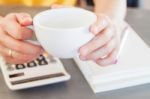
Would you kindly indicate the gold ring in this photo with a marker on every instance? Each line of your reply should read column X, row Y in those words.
column 10, row 53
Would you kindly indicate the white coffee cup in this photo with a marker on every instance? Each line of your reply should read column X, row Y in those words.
column 61, row 32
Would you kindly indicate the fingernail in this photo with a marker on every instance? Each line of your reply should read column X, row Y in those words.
column 29, row 19
column 115, row 62
column 26, row 19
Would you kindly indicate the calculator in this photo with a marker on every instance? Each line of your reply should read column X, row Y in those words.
column 44, row 70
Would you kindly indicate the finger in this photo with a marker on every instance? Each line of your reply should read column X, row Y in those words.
column 97, row 42
column 101, row 23
column 13, row 61
column 16, row 61
column 19, row 46
column 24, row 19
column 14, row 29
column 17, row 55
column 110, row 59
column 21, row 58
column 103, row 51
column 3, row 51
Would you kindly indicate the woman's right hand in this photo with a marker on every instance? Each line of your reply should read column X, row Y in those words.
column 13, row 35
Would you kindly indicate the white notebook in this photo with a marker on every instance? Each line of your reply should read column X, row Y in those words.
column 133, row 67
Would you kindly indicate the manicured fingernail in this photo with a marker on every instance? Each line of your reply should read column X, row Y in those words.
column 115, row 62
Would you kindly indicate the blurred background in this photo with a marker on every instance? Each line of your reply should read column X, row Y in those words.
column 143, row 4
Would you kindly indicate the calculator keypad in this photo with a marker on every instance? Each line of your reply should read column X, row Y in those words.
column 42, row 60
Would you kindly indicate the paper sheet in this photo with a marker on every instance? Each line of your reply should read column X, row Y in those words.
column 133, row 67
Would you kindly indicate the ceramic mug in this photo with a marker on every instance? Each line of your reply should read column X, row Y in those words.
column 61, row 32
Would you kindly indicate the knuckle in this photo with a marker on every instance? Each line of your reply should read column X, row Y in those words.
column 10, row 16
column 103, row 22
column 103, row 17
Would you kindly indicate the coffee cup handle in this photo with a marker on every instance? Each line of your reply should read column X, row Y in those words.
column 32, row 41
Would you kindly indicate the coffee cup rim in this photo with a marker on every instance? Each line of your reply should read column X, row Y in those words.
column 62, row 29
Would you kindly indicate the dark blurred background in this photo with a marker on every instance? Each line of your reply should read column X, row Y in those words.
column 130, row 3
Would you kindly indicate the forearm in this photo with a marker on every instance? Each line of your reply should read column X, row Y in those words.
column 115, row 9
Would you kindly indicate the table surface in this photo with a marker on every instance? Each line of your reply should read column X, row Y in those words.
column 77, row 87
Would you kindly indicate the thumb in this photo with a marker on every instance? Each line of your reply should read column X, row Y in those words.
column 24, row 19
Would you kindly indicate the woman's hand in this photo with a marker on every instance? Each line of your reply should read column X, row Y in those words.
column 13, row 33
column 104, row 46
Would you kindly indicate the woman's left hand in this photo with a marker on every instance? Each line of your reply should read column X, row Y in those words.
column 103, row 48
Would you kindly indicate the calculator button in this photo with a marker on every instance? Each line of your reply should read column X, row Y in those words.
column 10, row 68
column 20, row 66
